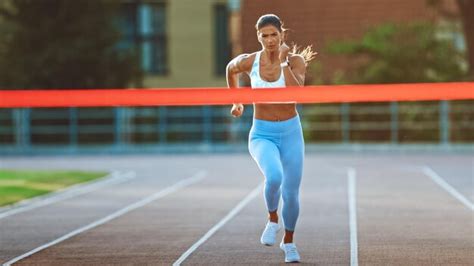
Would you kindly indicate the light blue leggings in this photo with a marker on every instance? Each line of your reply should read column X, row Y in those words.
column 278, row 149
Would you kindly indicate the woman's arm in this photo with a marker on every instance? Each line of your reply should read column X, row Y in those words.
column 234, row 68
column 296, row 69
column 295, row 72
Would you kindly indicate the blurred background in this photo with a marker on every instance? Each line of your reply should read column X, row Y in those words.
column 51, row 44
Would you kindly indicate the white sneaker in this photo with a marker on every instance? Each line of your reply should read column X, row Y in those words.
column 291, row 253
column 269, row 234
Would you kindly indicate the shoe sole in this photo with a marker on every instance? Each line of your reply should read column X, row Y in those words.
column 266, row 244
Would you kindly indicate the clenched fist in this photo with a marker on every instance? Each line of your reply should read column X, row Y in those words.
column 237, row 110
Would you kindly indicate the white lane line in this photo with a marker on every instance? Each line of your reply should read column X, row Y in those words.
column 440, row 181
column 113, row 178
column 351, row 180
column 221, row 223
column 160, row 194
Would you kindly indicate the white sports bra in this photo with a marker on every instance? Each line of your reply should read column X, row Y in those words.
column 257, row 82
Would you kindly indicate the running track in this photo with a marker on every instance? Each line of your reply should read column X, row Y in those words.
column 366, row 208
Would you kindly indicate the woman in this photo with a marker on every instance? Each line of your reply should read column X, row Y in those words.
column 276, row 139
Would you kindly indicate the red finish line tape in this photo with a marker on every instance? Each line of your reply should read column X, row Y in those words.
column 226, row 96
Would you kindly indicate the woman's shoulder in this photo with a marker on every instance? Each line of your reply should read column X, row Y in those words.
column 246, row 60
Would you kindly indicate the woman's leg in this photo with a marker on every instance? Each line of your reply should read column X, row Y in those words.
column 267, row 155
column 292, row 155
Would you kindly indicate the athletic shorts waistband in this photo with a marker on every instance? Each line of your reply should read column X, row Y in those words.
column 277, row 126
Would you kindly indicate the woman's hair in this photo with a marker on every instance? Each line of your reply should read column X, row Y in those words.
column 270, row 19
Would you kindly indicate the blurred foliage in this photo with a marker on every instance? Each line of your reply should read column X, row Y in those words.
column 63, row 44
column 393, row 53
column 390, row 53
column 464, row 13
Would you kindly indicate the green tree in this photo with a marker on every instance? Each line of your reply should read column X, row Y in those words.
column 466, row 16
column 63, row 44
column 400, row 53
column 393, row 53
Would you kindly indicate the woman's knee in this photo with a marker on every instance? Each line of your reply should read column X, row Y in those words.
column 273, row 179
column 290, row 195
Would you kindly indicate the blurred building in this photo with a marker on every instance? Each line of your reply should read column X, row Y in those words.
column 315, row 22
column 187, row 43
column 183, row 43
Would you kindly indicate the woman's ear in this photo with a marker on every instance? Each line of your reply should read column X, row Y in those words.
column 258, row 36
column 283, row 36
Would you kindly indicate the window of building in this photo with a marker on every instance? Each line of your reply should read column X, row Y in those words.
column 143, row 24
column 222, row 40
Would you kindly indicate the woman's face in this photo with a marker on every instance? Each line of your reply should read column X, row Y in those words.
column 270, row 38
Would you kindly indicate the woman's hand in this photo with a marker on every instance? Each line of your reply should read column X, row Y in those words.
column 284, row 50
column 237, row 110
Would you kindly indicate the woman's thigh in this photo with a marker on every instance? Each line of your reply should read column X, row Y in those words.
column 267, row 155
